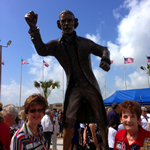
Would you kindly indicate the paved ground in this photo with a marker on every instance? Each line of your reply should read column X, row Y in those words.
column 59, row 144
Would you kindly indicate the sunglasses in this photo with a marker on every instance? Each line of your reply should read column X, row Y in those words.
column 36, row 110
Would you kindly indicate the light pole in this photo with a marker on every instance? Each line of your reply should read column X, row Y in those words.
column 8, row 43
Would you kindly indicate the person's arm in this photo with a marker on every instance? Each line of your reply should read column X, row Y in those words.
column 84, row 137
column 16, row 143
column 92, row 128
column 148, row 126
column 80, row 138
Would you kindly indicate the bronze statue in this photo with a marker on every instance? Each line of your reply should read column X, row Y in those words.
column 83, row 100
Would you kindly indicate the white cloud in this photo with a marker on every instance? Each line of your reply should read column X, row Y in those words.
column 94, row 38
column 133, row 33
column 132, row 41
column 116, row 13
column 135, row 80
column 11, row 93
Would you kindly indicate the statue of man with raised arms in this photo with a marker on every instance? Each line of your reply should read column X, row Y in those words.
column 83, row 100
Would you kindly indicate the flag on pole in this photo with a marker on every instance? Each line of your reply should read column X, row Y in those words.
column 128, row 60
column 148, row 58
column 111, row 61
column 45, row 64
column 2, row 62
column 24, row 62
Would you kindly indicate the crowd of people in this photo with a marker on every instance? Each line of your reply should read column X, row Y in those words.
column 37, row 127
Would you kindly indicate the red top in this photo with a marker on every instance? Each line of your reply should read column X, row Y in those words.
column 121, row 142
column 5, row 135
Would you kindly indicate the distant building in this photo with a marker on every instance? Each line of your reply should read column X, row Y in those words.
column 56, row 106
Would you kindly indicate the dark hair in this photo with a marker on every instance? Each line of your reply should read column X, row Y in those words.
column 114, row 106
column 132, row 106
column 112, row 123
column 66, row 12
column 35, row 99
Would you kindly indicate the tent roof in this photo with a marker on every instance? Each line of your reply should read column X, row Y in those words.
column 135, row 94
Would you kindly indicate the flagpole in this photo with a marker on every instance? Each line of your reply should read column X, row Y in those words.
column 20, row 84
column 0, row 68
column 125, row 75
column 63, row 83
column 8, row 43
column 43, row 71
column 147, row 74
column 105, row 84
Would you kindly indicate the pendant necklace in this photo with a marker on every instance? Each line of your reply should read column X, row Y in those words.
column 34, row 133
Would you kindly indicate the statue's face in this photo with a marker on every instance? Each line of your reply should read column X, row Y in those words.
column 67, row 23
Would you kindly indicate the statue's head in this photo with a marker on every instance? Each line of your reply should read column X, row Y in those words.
column 67, row 21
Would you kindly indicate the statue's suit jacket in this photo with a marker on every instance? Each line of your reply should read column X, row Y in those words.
column 85, row 47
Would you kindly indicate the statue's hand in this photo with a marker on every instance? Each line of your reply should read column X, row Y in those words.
column 105, row 66
column 31, row 19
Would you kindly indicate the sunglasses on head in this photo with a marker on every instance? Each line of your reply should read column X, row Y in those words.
column 36, row 110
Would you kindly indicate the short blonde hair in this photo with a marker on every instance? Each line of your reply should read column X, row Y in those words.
column 22, row 115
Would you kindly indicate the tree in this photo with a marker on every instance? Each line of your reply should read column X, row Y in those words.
column 46, row 87
column 146, row 69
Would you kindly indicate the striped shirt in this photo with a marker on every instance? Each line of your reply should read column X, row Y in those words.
column 24, row 140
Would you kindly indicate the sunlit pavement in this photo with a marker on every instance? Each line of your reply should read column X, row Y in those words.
column 59, row 144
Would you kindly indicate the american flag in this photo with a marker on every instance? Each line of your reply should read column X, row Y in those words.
column 111, row 61
column 45, row 64
column 148, row 58
column 128, row 60
column 2, row 62
column 24, row 62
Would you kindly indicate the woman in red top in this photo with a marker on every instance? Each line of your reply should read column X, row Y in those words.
column 133, row 137
column 5, row 136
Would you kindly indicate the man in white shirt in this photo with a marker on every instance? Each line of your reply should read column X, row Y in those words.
column 56, row 132
column 47, row 123
column 111, row 134
column 144, row 118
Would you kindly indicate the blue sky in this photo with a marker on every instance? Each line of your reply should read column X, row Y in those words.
column 122, row 26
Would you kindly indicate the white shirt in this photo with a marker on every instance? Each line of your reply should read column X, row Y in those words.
column 144, row 122
column 120, row 127
column 111, row 137
column 47, row 124
column 82, row 125
column 56, row 126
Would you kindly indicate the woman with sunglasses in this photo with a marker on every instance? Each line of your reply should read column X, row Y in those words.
column 29, row 136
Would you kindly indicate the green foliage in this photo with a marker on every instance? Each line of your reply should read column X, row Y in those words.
column 46, row 87
column 146, row 69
